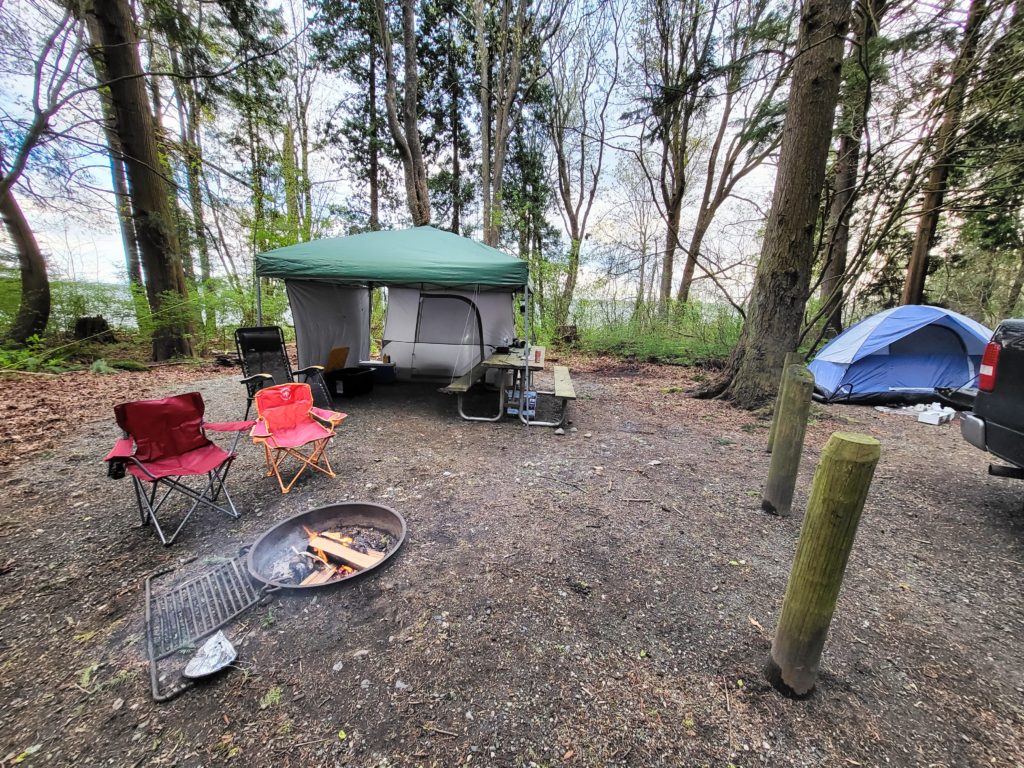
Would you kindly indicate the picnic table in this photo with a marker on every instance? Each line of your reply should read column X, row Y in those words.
column 515, row 364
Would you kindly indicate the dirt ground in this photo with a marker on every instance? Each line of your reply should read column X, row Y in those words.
column 604, row 597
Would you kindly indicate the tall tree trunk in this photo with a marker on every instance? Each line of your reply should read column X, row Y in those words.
column 260, row 236
column 405, row 132
column 189, row 128
column 572, row 269
column 410, row 116
column 374, row 161
column 455, row 119
column 484, row 63
column 945, row 151
column 866, row 19
column 509, row 78
column 838, row 227
column 154, row 223
column 118, row 179
column 782, row 281
column 129, row 241
column 1015, row 288
column 673, row 212
column 498, row 94
column 289, row 173
column 34, row 309
column 705, row 211
column 638, row 305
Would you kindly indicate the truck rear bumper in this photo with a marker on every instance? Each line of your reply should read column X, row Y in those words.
column 973, row 430
column 1002, row 442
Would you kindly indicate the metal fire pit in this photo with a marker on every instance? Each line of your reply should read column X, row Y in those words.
column 273, row 550
column 180, row 617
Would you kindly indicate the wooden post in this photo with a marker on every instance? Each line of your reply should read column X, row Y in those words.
column 795, row 405
column 840, row 487
column 792, row 358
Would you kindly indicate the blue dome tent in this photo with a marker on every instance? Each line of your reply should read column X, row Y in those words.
column 900, row 355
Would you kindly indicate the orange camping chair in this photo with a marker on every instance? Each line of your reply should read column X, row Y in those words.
column 165, row 441
column 288, row 425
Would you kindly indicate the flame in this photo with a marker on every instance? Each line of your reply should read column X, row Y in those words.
column 320, row 554
column 335, row 536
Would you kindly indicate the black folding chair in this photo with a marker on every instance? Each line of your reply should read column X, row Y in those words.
column 265, row 363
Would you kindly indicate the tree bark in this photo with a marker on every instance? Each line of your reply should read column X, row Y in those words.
column 34, row 309
column 154, row 223
column 484, row 64
column 405, row 131
column 1015, row 288
column 374, row 161
column 189, row 133
column 945, row 151
column 455, row 120
column 782, row 281
column 499, row 91
column 118, row 179
column 866, row 20
column 673, row 211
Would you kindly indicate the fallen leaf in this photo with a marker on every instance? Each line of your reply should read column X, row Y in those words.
column 755, row 622
column 27, row 753
column 568, row 756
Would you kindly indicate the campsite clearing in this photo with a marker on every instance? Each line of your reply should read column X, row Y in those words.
column 603, row 597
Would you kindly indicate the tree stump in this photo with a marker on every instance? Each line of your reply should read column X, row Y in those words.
column 94, row 329
column 567, row 334
column 840, row 488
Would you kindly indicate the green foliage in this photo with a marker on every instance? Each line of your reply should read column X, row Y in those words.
column 31, row 357
column 271, row 698
column 693, row 334
column 101, row 367
column 128, row 365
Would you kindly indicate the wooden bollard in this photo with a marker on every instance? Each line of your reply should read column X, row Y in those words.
column 795, row 405
column 792, row 358
column 840, row 487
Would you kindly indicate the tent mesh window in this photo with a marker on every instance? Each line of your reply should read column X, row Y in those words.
column 448, row 320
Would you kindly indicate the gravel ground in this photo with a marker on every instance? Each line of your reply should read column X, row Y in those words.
column 603, row 597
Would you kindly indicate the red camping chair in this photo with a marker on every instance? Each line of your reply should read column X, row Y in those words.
column 165, row 440
column 288, row 423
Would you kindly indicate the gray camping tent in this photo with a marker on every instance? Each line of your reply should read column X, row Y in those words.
column 449, row 297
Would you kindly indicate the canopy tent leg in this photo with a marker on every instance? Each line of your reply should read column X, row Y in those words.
column 259, row 301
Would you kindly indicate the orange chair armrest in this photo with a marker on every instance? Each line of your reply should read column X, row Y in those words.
column 331, row 417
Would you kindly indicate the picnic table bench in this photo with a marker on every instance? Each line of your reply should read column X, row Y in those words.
column 513, row 363
column 461, row 385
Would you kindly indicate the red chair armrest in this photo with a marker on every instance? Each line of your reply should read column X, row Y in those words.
column 331, row 417
column 122, row 450
column 228, row 426
column 260, row 430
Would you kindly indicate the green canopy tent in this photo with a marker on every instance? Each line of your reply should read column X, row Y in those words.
column 421, row 257
column 449, row 297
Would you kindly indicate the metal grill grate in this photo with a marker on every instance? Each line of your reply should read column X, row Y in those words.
column 193, row 609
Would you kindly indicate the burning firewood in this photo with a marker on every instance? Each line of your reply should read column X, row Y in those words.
column 345, row 554
column 352, row 543
column 319, row 577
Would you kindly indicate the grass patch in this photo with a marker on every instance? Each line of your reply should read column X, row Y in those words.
column 691, row 335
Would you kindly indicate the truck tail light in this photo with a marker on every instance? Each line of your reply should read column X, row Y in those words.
column 989, row 363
